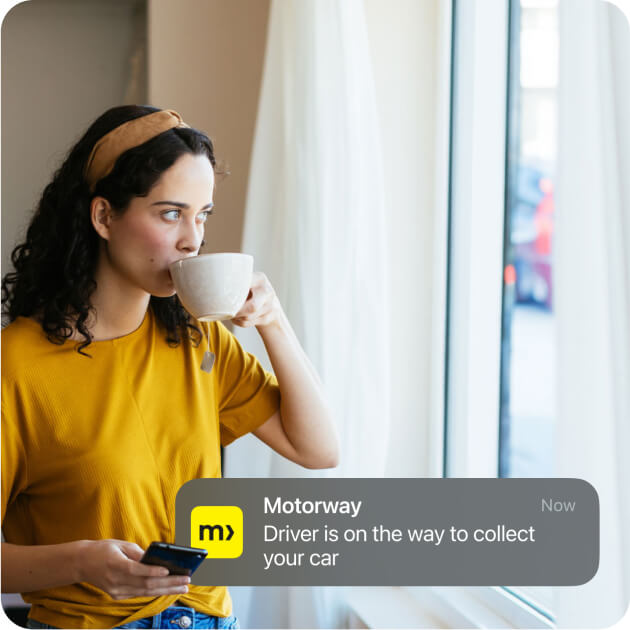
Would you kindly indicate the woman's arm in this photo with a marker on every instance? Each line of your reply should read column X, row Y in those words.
column 31, row 568
column 303, row 430
column 111, row 565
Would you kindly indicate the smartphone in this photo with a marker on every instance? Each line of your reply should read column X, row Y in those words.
column 178, row 560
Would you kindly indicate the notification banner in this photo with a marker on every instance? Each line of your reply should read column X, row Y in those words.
column 396, row 532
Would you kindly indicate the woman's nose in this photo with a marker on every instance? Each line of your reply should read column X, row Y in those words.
column 190, row 237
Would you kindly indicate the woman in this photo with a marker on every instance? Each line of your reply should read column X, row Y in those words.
column 105, row 410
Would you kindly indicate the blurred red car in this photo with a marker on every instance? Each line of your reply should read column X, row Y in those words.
column 531, row 236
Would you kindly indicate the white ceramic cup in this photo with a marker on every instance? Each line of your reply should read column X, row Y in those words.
column 213, row 286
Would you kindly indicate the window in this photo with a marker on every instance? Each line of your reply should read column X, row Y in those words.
column 499, row 374
column 527, row 359
column 527, row 367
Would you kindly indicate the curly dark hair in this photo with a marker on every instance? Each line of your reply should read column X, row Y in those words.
column 55, row 266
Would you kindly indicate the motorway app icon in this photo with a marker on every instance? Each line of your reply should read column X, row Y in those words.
column 218, row 529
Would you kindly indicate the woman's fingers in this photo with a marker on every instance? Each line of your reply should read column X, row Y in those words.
column 266, row 312
column 144, row 570
column 127, row 592
column 127, row 560
column 129, row 549
column 262, row 313
column 261, row 294
column 133, row 578
column 154, row 583
column 114, row 566
column 139, row 586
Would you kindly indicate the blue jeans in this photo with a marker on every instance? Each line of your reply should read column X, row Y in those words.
column 174, row 617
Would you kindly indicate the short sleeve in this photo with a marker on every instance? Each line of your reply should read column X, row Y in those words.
column 248, row 394
column 14, row 474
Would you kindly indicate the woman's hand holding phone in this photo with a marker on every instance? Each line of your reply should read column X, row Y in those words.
column 114, row 566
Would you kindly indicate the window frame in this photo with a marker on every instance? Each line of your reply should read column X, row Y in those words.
column 480, row 607
column 476, row 233
column 482, row 64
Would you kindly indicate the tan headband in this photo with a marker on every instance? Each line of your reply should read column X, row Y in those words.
column 131, row 134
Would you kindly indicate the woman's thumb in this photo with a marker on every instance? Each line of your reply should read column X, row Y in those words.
column 131, row 550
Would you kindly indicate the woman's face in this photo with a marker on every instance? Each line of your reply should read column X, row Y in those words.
column 163, row 227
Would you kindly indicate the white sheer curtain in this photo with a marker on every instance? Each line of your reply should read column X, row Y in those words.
column 315, row 219
column 315, row 223
column 592, row 268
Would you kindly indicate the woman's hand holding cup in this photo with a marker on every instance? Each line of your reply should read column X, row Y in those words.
column 261, row 307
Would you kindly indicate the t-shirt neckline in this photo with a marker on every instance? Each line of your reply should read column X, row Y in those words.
column 114, row 340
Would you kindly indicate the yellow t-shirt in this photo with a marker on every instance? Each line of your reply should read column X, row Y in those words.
column 96, row 448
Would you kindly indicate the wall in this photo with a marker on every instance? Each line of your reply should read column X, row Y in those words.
column 63, row 63
column 205, row 60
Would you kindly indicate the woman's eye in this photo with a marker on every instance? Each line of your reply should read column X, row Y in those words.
column 202, row 217
column 171, row 215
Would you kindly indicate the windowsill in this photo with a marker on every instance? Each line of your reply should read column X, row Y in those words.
column 387, row 607
column 439, row 607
